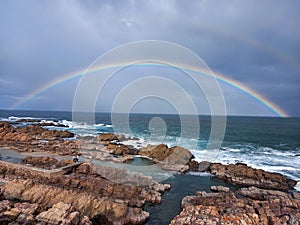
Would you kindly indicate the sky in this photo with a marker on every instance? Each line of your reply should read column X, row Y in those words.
column 255, row 43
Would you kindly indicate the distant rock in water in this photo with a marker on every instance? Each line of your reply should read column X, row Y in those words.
column 297, row 155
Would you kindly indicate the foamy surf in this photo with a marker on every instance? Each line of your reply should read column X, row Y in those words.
column 297, row 187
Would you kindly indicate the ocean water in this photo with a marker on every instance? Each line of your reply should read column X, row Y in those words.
column 268, row 143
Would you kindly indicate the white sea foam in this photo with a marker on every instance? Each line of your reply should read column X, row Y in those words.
column 200, row 174
column 13, row 118
column 233, row 150
column 297, row 187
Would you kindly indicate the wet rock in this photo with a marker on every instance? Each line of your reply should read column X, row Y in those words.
column 50, row 124
column 244, row 175
column 28, row 120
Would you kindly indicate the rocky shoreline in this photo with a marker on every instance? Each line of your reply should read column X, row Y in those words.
column 44, row 190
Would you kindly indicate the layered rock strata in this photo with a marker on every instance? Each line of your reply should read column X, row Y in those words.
column 84, row 189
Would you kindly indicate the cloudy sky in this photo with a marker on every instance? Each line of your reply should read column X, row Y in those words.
column 255, row 43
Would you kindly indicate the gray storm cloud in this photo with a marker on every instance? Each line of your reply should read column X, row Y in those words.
column 253, row 42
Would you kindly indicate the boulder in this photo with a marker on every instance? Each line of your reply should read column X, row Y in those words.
column 204, row 166
column 175, row 158
column 156, row 152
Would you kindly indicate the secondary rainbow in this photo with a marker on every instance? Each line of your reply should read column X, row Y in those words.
column 220, row 77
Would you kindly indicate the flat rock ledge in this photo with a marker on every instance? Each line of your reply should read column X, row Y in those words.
column 77, row 196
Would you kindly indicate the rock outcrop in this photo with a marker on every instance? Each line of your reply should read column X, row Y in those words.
column 36, row 138
column 41, row 162
column 175, row 158
column 226, row 208
column 244, row 175
column 108, row 137
column 60, row 213
column 85, row 189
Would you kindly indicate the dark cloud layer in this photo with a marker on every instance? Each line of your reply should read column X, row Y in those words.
column 256, row 43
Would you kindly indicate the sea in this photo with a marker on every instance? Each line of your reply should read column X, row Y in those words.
column 268, row 143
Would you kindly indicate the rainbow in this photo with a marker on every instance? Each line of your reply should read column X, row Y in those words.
column 220, row 77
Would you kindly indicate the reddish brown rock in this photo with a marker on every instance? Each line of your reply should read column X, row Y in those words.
column 226, row 208
column 35, row 138
column 120, row 149
column 60, row 213
column 90, row 190
column 244, row 175
column 175, row 158
column 108, row 137
column 41, row 162
column 156, row 152
column 194, row 166
column 64, row 162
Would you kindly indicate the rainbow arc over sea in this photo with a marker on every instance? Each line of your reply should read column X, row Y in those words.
column 275, row 109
